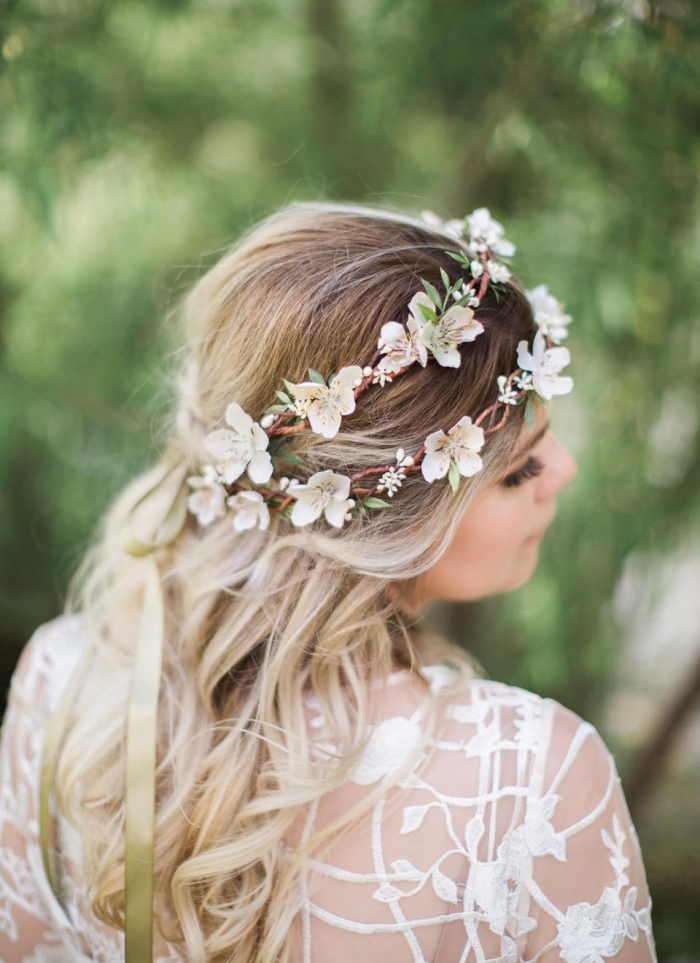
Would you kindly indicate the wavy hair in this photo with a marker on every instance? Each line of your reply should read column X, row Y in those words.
column 257, row 619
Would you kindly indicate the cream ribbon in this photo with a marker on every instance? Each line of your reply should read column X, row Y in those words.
column 142, row 718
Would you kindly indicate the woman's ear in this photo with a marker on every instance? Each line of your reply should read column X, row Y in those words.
column 405, row 595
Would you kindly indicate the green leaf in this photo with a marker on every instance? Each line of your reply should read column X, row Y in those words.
column 432, row 294
column 284, row 397
column 454, row 475
column 273, row 409
column 428, row 313
column 289, row 386
column 315, row 376
column 374, row 502
column 290, row 457
column 459, row 258
column 445, row 280
column 530, row 413
column 538, row 399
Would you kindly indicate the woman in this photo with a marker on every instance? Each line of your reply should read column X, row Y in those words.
column 333, row 782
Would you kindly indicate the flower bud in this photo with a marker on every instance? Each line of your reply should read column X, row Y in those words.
column 267, row 422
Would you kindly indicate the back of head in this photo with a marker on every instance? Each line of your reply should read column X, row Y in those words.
column 256, row 618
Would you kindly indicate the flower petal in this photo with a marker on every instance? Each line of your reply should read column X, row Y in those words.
column 260, row 467
column 558, row 358
column 448, row 358
column 306, row 509
column 418, row 301
column 309, row 391
column 221, row 442
column 335, row 512
column 504, row 248
column 238, row 419
column 347, row 377
column 341, row 486
column 392, row 332
column 435, row 464
column 387, row 363
column 436, row 440
column 525, row 359
column 320, row 478
column 561, row 386
column 470, row 436
column 462, row 316
column 260, row 437
column 324, row 419
column 468, row 462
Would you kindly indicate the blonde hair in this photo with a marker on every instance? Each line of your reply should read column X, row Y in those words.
column 256, row 619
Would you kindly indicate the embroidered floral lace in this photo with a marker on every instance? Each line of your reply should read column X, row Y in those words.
column 509, row 841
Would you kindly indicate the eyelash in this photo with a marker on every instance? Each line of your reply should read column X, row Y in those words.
column 531, row 469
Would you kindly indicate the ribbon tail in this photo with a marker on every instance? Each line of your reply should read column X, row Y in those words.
column 141, row 774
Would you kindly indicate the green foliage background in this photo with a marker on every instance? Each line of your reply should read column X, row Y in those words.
column 139, row 137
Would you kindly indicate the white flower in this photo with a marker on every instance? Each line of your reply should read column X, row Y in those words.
column 548, row 313
column 523, row 381
column 325, row 493
column 483, row 228
column 381, row 377
column 538, row 830
column 390, row 744
column 461, row 443
column 456, row 325
column 507, row 394
column 402, row 346
column 391, row 481
column 588, row 934
column 242, row 449
column 250, row 510
column 300, row 407
column 328, row 403
column 453, row 227
column 545, row 364
column 497, row 272
column 208, row 501
column 477, row 269
column 466, row 292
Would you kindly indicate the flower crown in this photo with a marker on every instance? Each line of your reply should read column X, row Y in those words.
column 246, row 480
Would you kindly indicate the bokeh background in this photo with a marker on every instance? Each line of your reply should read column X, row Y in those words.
column 139, row 137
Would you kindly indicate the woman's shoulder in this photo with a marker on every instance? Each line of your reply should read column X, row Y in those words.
column 511, row 817
column 47, row 662
column 538, row 741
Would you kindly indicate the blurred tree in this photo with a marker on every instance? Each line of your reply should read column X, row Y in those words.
column 137, row 135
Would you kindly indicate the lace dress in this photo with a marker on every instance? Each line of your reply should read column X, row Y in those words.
column 509, row 841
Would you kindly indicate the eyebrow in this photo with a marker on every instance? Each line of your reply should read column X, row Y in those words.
column 533, row 440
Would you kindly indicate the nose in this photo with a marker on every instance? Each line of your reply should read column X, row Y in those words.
column 560, row 467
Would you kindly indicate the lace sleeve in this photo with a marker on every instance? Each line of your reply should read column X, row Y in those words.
column 588, row 892
column 34, row 927
column 26, row 929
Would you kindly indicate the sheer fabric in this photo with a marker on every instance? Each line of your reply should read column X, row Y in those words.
column 509, row 841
